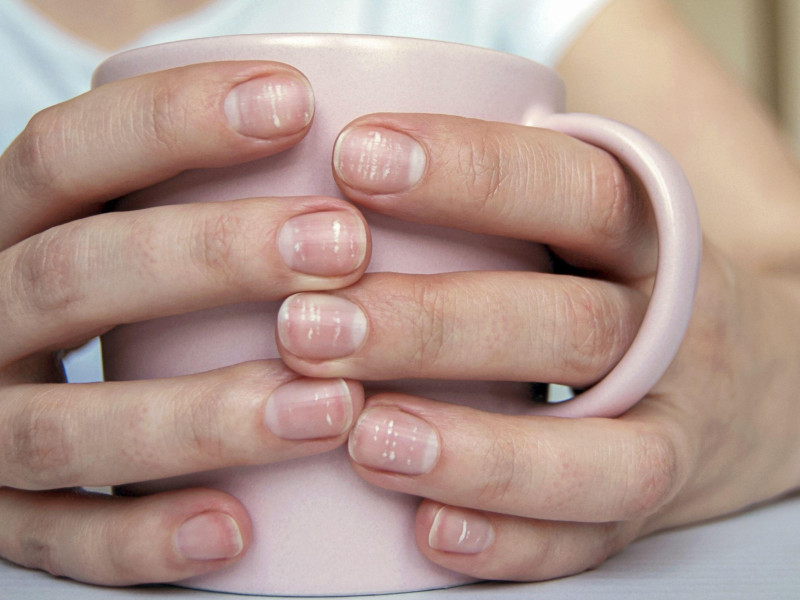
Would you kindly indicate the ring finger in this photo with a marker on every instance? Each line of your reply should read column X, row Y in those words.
column 252, row 413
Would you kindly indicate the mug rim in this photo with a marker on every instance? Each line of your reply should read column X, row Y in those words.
column 125, row 60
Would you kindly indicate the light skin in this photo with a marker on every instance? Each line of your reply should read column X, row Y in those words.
column 110, row 24
column 506, row 497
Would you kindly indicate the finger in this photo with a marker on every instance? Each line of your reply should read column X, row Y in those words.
column 493, row 326
column 588, row 470
column 132, row 133
column 81, row 278
column 253, row 413
column 123, row 541
column 500, row 179
column 501, row 547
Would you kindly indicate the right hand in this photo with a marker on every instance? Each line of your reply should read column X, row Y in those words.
column 68, row 274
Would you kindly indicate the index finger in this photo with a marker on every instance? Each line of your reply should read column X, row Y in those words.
column 501, row 179
column 132, row 133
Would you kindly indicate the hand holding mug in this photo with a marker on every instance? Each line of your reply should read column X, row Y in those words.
column 70, row 274
column 459, row 210
column 534, row 497
column 508, row 496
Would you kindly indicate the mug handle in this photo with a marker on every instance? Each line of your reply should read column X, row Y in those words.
column 679, row 254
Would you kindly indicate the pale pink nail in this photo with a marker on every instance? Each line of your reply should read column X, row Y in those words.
column 461, row 531
column 309, row 409
column 392, row 440
column 321, row 326
column 326, row 243
column 272, row 106
column 209, row 536
column 378, row 160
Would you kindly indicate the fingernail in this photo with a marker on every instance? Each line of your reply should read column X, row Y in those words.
column 209, row 536
column 320, row 326
column 326, row 243
column 378, row 160
column 392, row 440
column 308, row 409
column 461, row 531
column 271, row 106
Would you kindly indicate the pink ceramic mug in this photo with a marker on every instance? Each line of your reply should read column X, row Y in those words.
column 319, row 529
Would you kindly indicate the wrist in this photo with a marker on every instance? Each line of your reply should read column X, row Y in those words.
column 775, row 331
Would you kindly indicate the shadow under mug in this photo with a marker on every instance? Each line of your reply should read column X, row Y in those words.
column 318, row 528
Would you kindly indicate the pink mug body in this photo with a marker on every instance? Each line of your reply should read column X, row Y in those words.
column 318, row 528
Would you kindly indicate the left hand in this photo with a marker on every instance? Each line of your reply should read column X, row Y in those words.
column 526, row 497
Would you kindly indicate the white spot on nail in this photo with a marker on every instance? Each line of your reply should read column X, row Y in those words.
column 338, row 330
column 464, row 532
column 337, row 234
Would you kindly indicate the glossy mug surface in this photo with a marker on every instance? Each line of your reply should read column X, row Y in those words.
column 318, row 528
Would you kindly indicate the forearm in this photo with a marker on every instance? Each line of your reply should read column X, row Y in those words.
column 637, row 63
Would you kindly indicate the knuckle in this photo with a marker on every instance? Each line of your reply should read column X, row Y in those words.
column 40, row 453
column 652, row 474
column 37, row 151
column 506, row 468
column 556, row 549
column 164, row 117
column 170, row 112
column 201, row 418
column 594, row 339
column 608, row 540
column 36, row 551
column 479, row 164
column 540, row 559
column 118, row 560
column 431, row 326
column 51, row 268
column 214, row 243
column 615, row 536
column 197, row 424
column 613, row 212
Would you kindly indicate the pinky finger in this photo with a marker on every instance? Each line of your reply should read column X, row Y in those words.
column 122, row 541
column 503, row 547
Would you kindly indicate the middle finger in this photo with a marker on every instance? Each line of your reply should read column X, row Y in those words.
column 81, row 278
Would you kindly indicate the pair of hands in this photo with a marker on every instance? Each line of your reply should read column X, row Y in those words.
column 539, row 497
